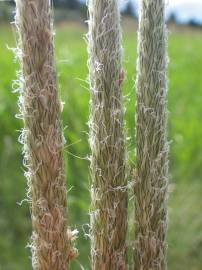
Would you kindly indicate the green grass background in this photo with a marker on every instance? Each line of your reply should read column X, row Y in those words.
column 185, row 134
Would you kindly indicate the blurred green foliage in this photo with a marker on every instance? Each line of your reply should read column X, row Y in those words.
column 5, row 11
column 185, row 134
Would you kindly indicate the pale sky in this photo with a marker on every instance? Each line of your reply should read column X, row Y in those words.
column 184, row 10
column 170, row 2
column 174, row 2
column 183, row 1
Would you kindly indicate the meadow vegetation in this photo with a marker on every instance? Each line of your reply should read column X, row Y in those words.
column 185, row 133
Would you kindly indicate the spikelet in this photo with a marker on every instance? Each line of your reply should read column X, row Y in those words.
column 42, row 137
column 108, row 168
column 151, row 179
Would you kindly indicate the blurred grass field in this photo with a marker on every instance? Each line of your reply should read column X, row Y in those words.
column 185, row 134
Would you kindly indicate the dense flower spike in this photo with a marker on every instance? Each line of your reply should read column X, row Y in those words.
column 42, row 137
column 109, row 184
column 151, row 139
